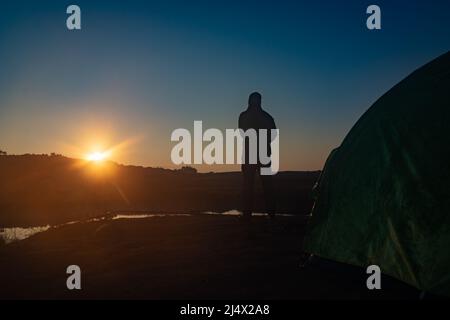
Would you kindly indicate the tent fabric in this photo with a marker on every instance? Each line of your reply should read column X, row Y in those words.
column 384, row 194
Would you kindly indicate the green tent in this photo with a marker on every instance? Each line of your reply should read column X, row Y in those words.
column 384, row 194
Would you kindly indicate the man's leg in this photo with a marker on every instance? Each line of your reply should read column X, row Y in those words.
column 269, row 194
column 248, row 173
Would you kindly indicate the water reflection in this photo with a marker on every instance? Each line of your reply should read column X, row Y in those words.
column 9, row 235
column 238, row 213
column 143, row 216
column 16, row 234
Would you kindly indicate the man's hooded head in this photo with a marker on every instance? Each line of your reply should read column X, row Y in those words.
column 254, row 100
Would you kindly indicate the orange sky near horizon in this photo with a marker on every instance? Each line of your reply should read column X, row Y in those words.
column 132, row 141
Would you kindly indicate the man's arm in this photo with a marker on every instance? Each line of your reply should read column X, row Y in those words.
column 240, row 121
column 274, row 127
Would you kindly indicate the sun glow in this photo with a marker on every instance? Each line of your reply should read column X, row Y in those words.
column 100, row 151
column 98, row 156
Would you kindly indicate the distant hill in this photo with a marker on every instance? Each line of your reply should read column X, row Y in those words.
column 41, row 189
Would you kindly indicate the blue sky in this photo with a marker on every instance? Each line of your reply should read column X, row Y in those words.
column 140, row 69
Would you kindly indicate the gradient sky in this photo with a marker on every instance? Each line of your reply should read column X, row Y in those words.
column 140, row 69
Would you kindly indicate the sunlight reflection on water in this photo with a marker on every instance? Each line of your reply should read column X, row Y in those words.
column 16, row 234
column 9, row 235
column 238, row 213
column 143, row 216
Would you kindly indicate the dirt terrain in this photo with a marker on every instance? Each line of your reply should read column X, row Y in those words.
column 192, row 257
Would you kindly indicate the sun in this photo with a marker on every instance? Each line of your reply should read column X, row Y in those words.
column 97, row 156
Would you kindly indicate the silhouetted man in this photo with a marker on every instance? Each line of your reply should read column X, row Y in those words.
column 256, row 118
